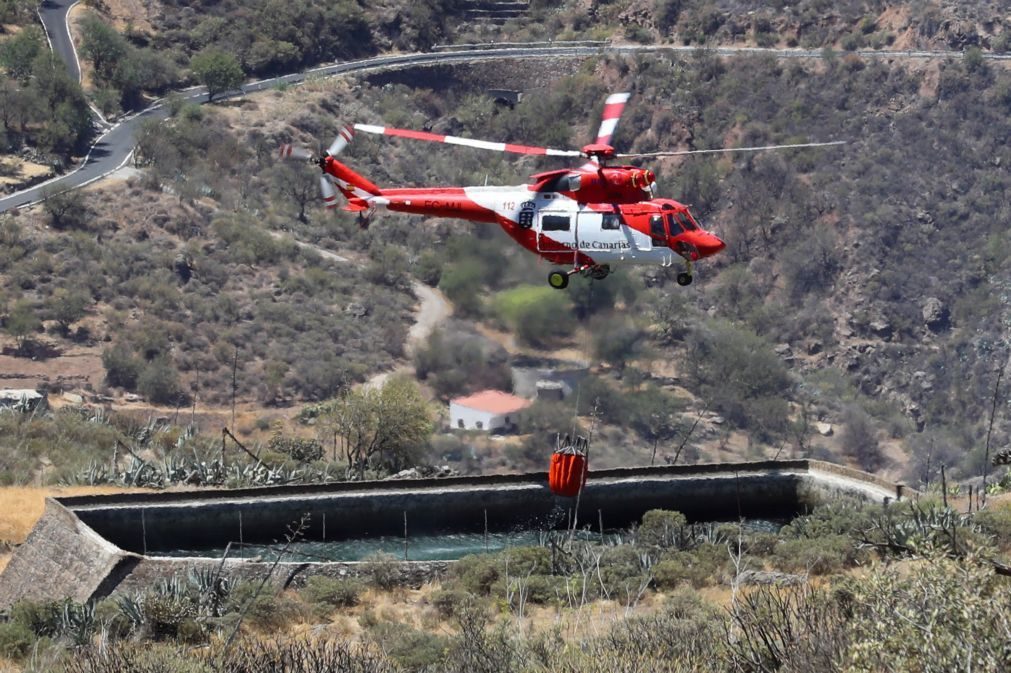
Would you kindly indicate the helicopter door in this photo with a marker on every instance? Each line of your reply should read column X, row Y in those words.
column 557, row 234
column 603, row 236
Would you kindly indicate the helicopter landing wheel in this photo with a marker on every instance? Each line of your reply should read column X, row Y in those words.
column 684, row 278
column 558, row 280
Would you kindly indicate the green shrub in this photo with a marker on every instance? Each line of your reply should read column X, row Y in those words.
column 996, row 521
column 760, row 544
column 15, row 640
column 449, row 602
column 412, row 649
column 327, row 593
column 526, row 560
column 159, row 383
column 817, row 556
column 621, row 575
column 299, row 449
column 662, row 528
column 539, row 315
column 122, row 366
column 700, row 567
column 269, row 612
column 477, row 573
column 383, row 570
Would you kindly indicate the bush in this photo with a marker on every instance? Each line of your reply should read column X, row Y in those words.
column 15, row 640
column 996, row 521
column 412, row 649
column 662, row 528
column 455, row 361
column 700, row 567
column 326, row 593
column 383, row 570
column 477, row 573
column 449, row 602
column 817, row 556
column 159, row 383
column 269, row 613
column 301, row 450
column 538, row 315
column 621, row 574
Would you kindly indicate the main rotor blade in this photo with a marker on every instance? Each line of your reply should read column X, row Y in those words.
column 295, row 152
column 613, row 107
column 728, row 149
column 466, row 142
column 344, row 136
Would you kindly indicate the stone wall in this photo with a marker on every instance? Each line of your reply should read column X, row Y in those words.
column 148, row 571
column 81, row 547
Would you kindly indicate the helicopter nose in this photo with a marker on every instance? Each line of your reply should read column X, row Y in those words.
column 709, row 244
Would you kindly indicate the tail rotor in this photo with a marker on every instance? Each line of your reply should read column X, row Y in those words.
column 302, row 153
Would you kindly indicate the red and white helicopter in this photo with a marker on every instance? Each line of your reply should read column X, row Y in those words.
column 588, row 219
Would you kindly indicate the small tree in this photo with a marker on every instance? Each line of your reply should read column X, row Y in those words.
column 217, row 70
column 18, row 53
column 296, row 185
column 539, row 315
column 859, row 439
column 103, row 46
column 122, row 366
column 66, row 209
column 21, row 323
column 159, row 383
column 616, row 340
column 380, row 427
column 67, row 307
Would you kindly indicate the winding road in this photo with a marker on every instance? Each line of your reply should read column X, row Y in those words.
column 115, row 145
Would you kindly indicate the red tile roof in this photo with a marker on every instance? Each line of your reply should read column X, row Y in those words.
column 493, row 401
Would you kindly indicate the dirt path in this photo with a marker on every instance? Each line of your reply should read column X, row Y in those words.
column 434, row 310
column 323, row 252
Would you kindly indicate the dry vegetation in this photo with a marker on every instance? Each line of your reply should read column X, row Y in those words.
column 21, row 507
column 821, row 594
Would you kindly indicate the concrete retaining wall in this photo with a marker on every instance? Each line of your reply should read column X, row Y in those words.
column 62, row 557
column 91, row 546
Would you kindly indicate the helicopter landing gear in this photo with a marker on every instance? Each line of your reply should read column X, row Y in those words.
column 685, row 277
column 558, row 280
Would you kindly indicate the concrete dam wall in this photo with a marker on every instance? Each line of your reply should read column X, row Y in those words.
column 88, row 547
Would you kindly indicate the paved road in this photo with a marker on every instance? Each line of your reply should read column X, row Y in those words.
column 114, row 147
column 54, row 19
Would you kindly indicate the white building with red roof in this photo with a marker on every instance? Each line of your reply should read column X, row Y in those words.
column 487, row 410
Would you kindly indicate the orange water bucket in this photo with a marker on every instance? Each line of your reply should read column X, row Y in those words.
column 567, row 473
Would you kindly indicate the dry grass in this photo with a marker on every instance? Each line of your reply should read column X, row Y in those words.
column 21, row 506
column 17, row 171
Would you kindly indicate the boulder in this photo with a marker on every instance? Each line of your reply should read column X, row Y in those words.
column 935, row 314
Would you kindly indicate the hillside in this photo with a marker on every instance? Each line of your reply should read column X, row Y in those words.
column 827, row 328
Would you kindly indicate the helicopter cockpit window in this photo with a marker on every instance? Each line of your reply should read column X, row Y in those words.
column 679, row 222
column 686, row 221
column 555, row 223
column 611, row 222
column 656, row 231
